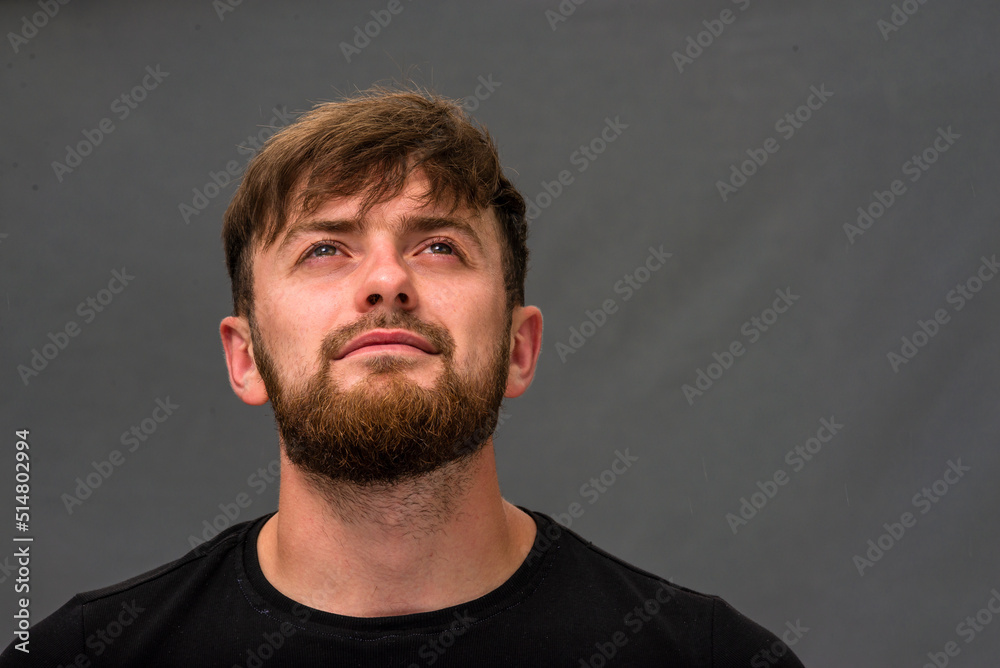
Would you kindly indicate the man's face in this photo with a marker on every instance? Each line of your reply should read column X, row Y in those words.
column 384, row 411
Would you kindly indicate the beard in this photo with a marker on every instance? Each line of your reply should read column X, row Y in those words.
column 387, row 428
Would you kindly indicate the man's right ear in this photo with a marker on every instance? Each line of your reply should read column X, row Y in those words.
column 243, row 374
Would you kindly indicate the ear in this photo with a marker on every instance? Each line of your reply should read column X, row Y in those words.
column 243, row 375
column 526, row 344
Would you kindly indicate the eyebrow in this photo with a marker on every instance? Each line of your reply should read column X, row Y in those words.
column 408, row 225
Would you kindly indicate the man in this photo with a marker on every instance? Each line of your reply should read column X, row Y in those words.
column 377, row 255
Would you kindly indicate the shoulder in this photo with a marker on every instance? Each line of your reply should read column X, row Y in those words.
column 712, row 631
column 86, row 623
column 594, row 564
column 205, row 557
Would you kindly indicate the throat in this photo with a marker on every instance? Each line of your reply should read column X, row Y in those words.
column 443, row 539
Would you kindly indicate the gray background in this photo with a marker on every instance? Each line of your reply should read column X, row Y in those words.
column 826, row 357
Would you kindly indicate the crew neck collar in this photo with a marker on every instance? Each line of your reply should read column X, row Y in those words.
column 270, row 602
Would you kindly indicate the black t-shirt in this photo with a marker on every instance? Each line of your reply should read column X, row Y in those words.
column 569, row 604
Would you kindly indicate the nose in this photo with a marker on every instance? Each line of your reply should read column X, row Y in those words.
column 385, row 278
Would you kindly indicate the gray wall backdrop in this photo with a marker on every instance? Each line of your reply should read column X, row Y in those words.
column 657, row 116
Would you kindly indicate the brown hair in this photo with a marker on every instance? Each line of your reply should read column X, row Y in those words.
column 369, row 143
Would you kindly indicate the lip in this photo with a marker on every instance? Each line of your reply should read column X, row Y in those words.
column 382, row 337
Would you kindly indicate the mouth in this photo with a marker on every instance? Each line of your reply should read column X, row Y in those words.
column 387, row 341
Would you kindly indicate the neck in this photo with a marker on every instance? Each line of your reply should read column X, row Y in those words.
column 439, row 540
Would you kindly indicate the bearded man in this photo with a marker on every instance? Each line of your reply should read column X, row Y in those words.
column 377, row 254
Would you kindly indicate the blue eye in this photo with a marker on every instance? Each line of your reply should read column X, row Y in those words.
column 322, row 249
column 445, row 245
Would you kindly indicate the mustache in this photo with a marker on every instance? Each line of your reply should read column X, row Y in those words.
column 436, row 334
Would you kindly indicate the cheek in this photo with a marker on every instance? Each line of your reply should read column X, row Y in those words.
column 482, row 333
column 293, row 337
